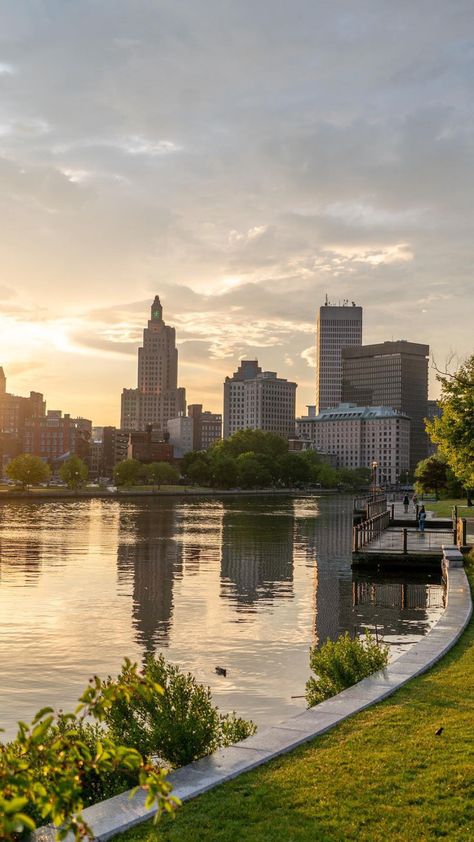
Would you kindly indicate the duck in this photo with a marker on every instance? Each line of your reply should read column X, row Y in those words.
column 221, row 671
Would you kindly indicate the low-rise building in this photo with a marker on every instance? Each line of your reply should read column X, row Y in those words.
column 53, row 437
column 360, row 436
column 207, row 426
column 181, row 435
column 149, row 446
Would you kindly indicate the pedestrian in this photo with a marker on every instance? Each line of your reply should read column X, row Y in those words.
column 421, row 519
column 406, row 503
column 414, row 500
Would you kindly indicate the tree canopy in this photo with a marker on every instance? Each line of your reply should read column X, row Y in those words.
column 453, row 432
column 431, row 475
column 28, row 470
column 74, row 472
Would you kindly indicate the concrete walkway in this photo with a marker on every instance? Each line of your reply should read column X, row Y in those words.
column 120, row 813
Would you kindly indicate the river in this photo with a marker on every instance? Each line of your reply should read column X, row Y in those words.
column 243, row 583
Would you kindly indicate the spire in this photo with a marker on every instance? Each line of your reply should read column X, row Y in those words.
column 156, row 310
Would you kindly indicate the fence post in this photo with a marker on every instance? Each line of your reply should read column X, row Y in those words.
column 393, row 511
column 405, row 541
column 464, row 531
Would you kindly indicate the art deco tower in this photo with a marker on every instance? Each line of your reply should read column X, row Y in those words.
column 157, row 398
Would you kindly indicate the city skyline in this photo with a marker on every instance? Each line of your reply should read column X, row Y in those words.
column 241, row 161
column 80, row 400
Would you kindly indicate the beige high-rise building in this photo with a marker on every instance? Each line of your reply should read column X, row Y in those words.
column 338, row 327
column 258, row 400
column 157, row 397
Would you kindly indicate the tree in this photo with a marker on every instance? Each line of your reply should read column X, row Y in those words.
column 199, row 471
column 223, row 471
column 431, row 475
column 292, row 469
column 252, row 441
column 128, row 473
column 28, row 470
column 251, row 472
column 74, row 472
column 453, row 432
column 161, row 473
column 328, row 477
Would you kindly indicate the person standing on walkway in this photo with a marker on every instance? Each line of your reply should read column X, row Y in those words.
column 421, row 519
column 406, row 503
column 414, row 500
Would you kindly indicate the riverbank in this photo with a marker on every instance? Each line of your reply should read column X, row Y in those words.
column 383, row 774
column 164, row 491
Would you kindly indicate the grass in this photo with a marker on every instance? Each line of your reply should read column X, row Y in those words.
column 443, row 508
column 381, row 775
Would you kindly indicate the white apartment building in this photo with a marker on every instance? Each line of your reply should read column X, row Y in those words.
column 258, row 400
column 181, row 435
column 361, row 435
column 337, row 327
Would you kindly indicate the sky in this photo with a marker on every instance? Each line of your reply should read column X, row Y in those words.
column 242, row 160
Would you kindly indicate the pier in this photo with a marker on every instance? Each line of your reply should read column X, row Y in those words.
column 383, row 532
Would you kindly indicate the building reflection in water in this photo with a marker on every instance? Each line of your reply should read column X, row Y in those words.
column 257, row 553
column 149, row 558
column 390, row 601
column 326, row 542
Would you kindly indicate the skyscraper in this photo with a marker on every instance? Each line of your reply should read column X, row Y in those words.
column 338, row 327
column 157, row 397
column 391, row 374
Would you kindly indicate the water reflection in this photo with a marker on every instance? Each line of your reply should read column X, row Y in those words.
column 396, row 603
column 248, row 584
column 257, row 554
column 148, row 560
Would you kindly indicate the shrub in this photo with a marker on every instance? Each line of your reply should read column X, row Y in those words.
column 49, row 772
column 340, row 664
column 181, row 724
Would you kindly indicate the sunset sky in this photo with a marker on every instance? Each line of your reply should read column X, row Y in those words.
column 241, row 159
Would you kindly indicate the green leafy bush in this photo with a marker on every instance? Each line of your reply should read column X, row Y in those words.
column 179, row 725
column 53, row 767
column 340, row 664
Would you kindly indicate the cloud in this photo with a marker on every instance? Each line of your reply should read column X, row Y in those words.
column 242, row 160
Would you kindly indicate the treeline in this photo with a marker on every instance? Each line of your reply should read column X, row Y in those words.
column 254, row 459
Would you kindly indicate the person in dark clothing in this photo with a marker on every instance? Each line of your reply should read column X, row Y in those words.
column 406, row 503
column 421, row 519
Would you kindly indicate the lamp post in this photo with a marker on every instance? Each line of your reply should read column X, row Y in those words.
column 374, row 477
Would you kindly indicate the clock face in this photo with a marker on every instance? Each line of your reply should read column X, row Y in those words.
column 156, row 314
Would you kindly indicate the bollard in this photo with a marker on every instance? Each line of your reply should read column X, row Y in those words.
column 405, row 541
column 393, row 511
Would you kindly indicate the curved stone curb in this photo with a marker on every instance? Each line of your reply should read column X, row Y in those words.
column 120, row 813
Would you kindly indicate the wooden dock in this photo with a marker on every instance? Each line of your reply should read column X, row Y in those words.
column 392, row 536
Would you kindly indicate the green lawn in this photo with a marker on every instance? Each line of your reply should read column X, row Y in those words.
column 382, row 776
column 443, row 508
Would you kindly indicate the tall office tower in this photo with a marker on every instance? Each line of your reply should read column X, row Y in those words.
column 258, row 400
column 337, row 327
column 157, row 397
column 391, row 374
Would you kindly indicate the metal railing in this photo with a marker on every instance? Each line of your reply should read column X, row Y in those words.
column 365, row 532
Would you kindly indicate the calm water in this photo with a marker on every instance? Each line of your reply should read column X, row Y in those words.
column 245, row 584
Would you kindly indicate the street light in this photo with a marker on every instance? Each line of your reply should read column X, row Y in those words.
column 374, row 477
